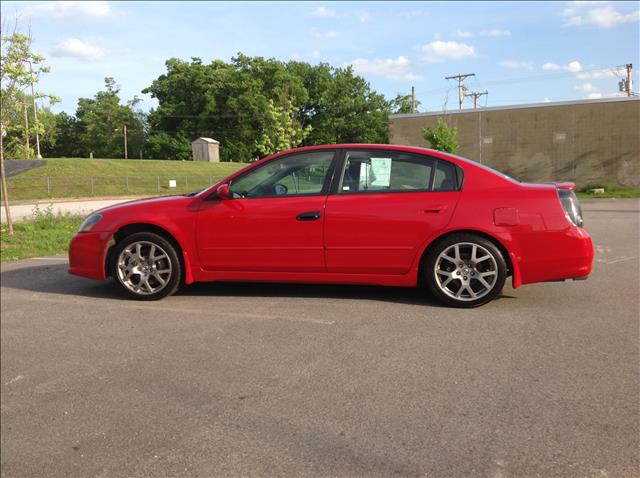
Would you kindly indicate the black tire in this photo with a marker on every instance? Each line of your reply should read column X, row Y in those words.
column 446, row 278
column 172, row 279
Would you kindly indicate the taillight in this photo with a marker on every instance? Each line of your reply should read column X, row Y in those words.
column 571, row 206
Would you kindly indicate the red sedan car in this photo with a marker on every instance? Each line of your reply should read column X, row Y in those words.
column 351, row 214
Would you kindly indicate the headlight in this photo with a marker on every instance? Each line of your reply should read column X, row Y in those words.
column 89, row 222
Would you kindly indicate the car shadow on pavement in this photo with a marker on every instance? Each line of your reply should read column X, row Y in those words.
column 54, row 279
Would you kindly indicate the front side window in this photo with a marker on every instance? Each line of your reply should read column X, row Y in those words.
column 385, row 171
column 294, row 175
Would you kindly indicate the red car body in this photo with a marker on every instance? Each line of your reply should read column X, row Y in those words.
column 375, row 238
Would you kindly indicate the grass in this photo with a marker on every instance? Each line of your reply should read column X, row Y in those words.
column 609, row 192
column 43, row 234
column 76, row 177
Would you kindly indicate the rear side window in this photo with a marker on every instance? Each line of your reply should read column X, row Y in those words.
column 385, row 171
column 445, row 178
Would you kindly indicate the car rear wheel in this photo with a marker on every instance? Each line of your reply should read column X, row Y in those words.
column 465, row 270
column 146, row 266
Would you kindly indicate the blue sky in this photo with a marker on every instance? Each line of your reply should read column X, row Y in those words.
column 521, row 52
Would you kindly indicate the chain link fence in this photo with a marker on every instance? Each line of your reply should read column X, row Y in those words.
column 44, row 187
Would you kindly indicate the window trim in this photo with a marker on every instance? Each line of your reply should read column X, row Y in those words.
column 336, row 189
column 325, row 186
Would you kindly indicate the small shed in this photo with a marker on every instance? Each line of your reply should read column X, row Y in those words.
column 206, row 149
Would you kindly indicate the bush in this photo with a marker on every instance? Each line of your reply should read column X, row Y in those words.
column 442, row 138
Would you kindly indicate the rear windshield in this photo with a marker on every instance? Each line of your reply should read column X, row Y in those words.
column 487, row 168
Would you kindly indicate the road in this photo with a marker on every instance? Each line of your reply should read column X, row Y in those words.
column 294, row 380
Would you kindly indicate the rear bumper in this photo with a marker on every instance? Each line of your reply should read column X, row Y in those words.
column 87, row 254
column 559, row 255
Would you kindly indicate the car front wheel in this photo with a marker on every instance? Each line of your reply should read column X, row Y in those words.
column 146, row 266
column 465, row 270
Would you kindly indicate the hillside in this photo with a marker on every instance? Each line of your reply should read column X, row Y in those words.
column 76, row 177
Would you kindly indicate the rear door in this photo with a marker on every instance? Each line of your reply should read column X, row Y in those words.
column 387, row 204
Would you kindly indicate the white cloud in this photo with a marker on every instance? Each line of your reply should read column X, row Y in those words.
column 516, row 65
column 573, row 67
column 573, row 8
column 323, row 11
column 364, row 17
column 586, row 88
column 315, row 54
column 594, row 96
column 75, row 48
column 317, row 33
column 394, row 69
column 463, row 34
column 494, row 32
column 546, row 100
column 413, row 14
column 70, row 10
column 440, row 51
column 602, row 16
column 597, row 74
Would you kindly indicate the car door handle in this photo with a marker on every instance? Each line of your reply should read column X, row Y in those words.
column 309, row 216
column 435, row 209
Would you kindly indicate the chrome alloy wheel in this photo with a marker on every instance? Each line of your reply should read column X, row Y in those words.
column 466, row 271
column 144, row 267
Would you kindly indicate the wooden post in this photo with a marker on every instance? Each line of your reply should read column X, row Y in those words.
column 126, row 154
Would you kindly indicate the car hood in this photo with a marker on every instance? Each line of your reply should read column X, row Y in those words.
column 150, row 204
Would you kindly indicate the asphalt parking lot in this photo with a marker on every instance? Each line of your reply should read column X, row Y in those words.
column 296, row 380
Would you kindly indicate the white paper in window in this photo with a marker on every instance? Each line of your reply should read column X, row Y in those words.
column 380, row 172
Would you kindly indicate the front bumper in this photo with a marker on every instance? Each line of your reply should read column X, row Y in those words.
column 87, row 252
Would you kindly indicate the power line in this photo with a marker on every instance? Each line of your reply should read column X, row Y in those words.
column 475, row 95
column 461, row 87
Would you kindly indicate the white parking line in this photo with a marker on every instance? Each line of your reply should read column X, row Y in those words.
column 615, row 260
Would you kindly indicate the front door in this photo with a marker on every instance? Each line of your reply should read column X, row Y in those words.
column 387, row 205
column 274, row 219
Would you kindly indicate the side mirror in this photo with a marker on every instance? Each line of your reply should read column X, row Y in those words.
column 223, row 192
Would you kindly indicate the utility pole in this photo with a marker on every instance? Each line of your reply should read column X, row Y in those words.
column 26, row 128
column 35, row 113
column 461, row 87
column 629, row 67
column 126, row 155
column 413, row 99
column 475, row 95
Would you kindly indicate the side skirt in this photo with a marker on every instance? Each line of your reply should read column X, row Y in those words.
column 404, row 280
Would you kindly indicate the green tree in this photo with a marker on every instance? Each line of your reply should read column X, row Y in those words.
column 101, row 121
column 281, row 130
column 64, row 141
column 19, row 68
column 254, row 105
column 401, row 104
column 442, row 138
